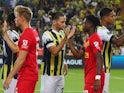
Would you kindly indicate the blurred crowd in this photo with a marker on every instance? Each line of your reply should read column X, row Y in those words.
column 75, row 10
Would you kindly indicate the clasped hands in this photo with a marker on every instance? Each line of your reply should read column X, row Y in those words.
column 69, row 31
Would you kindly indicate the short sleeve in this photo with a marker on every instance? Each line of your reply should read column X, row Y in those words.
column 96, row 45
column 26, row 41
column 15, row 37
column 47, row 40
column 104, row 34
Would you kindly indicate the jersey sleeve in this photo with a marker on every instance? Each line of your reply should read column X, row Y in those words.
column 47, row 40
column 104, row 34
column 96, row 45
column 26, row 41
column 15, row 37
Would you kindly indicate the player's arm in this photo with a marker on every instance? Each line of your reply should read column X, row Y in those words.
column 96, row 46
column 119, row 41
column 77, row 53
column 10, row 43
column 18, row 64
column 99, row 63
column 56, row 49
column 65, row 69
column 105, row 35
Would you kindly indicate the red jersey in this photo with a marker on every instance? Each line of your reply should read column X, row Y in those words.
column 92, row 46
column 29, row 41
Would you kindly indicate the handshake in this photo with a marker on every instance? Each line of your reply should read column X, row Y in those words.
column 70, row 31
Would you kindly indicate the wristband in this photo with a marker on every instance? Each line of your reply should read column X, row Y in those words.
column 97, row 77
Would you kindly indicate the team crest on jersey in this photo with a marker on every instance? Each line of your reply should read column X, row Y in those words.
column 96, row 44
column 24, row 44
column 86, row 55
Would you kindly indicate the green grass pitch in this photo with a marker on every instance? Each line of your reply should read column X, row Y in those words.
column 75, row 79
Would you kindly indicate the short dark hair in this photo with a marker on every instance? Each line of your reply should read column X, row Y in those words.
column 10, row 18
column 56, row 15
column 95, row 20
column 105, row 11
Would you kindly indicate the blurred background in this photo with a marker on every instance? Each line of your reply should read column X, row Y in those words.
column 75, row 10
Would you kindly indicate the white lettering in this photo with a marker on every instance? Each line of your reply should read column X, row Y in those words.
column 74, row 62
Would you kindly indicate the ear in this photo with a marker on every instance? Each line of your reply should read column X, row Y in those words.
column 23, row 18
column 105, row 18
column 54, row 22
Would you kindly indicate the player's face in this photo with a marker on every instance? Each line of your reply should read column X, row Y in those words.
column 111, row 18
column 18, row 20
column 60, row 23
column 87, row 25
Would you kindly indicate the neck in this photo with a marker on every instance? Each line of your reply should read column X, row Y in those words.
column 104, row 24
column 25, row 25
column 55, row 28
column 91, row 31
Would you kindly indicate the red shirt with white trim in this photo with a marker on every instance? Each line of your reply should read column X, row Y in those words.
column 92, row 45
column 29, row 41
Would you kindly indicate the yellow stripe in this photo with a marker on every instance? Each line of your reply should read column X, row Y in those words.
column 52, row 65
column 52, row 60
column 59, row 57
column 110, row 59
column 5, row 71
column 107, row 57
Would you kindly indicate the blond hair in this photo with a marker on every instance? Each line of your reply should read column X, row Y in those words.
column 24, row 11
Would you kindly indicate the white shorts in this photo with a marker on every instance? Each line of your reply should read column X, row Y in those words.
column 106, row 83
column 12, row 86
column 52, row 84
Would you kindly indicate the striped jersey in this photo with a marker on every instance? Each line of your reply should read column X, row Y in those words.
column 52, row 65
column 8, row 56
column 106, row 36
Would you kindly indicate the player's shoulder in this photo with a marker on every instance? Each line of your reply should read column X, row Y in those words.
column 94, row 36
column 46, row 34
column 9, row 32
column 101, row 28
column 15, row 32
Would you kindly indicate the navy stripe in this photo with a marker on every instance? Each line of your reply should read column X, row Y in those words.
column 49, row 42
column 61, row 63
column 109, row 54
column 55, row 65
column 47, row 57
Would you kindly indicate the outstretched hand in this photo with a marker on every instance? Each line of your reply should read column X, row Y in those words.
column 72, row 32
column 67, row 30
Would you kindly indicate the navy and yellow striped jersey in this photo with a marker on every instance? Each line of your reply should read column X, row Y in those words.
column 106, row 36
column 52, row 65
column 8, row 56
